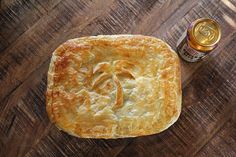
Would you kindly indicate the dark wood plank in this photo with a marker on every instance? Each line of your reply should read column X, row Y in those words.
column 223, row 143
column 42, row 40
column 206, row 107
column 3, row 43
column 17, row 16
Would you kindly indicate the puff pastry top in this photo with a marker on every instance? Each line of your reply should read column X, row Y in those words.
column 114, row 86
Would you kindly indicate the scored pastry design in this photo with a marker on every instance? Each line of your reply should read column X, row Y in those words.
column 114, row 86
column 111, row 71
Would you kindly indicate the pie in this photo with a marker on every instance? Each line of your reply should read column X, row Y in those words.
column 114, row 86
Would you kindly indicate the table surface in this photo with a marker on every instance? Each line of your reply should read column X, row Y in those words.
column 30, row 31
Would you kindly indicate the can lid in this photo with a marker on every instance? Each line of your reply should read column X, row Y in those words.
column 204, row 34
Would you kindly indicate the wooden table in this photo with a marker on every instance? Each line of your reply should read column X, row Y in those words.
column 31, row 29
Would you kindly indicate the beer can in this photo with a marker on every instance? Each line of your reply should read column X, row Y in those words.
column 201, row 37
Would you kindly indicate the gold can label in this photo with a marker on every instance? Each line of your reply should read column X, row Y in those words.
column 186, row 52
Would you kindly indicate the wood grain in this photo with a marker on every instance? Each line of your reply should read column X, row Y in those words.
column 224, row 141
column 18, row 16
column 31, row 30
column 25, row 58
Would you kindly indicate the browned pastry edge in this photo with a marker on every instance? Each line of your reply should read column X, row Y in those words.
column 63, row 103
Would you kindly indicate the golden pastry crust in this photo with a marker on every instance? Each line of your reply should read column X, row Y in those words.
column 114, row 86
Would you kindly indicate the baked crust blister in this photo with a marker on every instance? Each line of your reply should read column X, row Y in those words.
column 114, row 86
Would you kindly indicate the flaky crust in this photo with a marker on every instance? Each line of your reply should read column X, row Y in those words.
column 114, row 86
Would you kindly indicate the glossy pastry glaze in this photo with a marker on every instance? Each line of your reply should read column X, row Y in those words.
column 114, row 86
